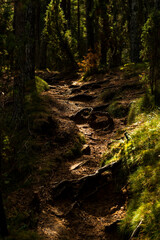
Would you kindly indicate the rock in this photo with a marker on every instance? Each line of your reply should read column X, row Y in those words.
column 101, row 120
column 81, row 116
column 86, row 150
column 81, row 98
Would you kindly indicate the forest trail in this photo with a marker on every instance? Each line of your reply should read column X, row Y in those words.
column 74, row 208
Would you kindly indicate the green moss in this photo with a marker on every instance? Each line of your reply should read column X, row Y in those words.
column 81, row 137
column 41, row 85
column 142, row 105
column 141, row 165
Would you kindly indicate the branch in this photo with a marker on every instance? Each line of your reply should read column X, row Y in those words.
column 136, row 230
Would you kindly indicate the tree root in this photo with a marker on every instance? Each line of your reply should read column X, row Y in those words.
column 80, row 189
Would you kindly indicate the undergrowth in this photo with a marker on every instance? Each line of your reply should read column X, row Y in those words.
column 19, row 158
column 89, row 64
column 131, row 69
column 144, row 104
column 117, row 109
column 140, row 156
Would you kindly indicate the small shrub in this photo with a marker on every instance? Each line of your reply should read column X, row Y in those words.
column 89, row 64
column 132, row 69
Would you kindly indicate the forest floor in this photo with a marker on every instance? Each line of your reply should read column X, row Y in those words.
column 72, row 200
column 73, row 207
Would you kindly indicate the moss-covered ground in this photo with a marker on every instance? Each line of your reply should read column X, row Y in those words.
column 139, row 152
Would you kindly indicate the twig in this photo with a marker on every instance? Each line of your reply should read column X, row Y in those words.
column 136, row 229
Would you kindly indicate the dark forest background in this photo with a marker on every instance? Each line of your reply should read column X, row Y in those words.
column 70, row 36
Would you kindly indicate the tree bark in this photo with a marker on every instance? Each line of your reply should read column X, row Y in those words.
column 90, row 24
column 157, row 4
column 64, row 43
column 37, row 32
column 42, row 63
column 104, row 32
column 25, row 53
column 3, row 222
column 79, row 30
column 134, row 30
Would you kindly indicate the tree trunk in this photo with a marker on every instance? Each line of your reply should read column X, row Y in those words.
column 43, row 53
column 25, row 54
column 157, row 4
column 42, row 63
column 3, row 223
column 104, row 32
column 90, row 24
column 79, row 30
column 134, row 30
column 63, row 42
column 68, row 17
column 37, row 32
column 66, row 7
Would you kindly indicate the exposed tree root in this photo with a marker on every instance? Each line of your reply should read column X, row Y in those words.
column 81, row 189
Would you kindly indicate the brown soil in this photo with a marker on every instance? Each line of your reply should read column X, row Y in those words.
column 88, row 217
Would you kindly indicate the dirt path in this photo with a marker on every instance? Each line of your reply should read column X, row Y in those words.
column 99, row 206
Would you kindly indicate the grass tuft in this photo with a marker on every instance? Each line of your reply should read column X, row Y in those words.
column 142, row 105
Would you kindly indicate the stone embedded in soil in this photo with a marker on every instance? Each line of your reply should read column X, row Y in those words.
column 101, row 120
column 81, row 116
column 86, row 150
